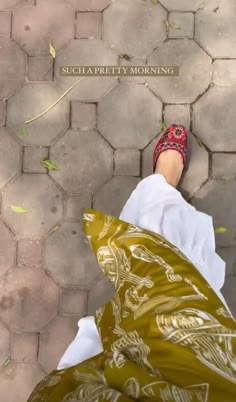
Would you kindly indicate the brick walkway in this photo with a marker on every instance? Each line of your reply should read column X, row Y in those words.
column 101, row 136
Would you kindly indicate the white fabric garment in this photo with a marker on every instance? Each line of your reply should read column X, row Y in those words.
column 157, row 206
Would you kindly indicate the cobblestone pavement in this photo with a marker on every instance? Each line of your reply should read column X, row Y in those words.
column 101, row 136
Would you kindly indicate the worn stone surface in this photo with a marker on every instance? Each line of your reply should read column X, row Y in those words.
column 228, row 254
column 178, row 114
column 90, row 5
column 86, row 52
column 2, row 113
column 215, row 126
column 88, row 25
column 208, row 199
column 56, row 26
column 7, row 248
column 182, row 5
column 30, row 252
column 181, row 25
column 25, row 347
column 4, row 343
column 83, row 115
column 127, row 162
column 18, row 380
column 147, row 158
column 100, row 293
column 120, row 187
column 29, row 299
column 28, row 103
column 224, row 165
column 132, row 63
column 40, row 68
column 69, row 258
column 124, row 22
column 76, row 205
column 191, row 82
column 5, row 23
column 229, row 293
column 32, row 159
column 11, row 78
column 129, row 108
column 224, row 72
column 55, row 340
column 73, row 301
column 79, row 171
column 197, row 173
column 10, row 157
column 39, row 195
column 215, row 29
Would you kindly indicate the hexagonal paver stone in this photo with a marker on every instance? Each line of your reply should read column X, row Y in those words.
column 224, row 165
column 215, row 29
column 32, row 158
column 182, row 5
column 12, row 67
column 10, row 157
column 86, row 52
column 5, row 24
column 73, row 301
column 195, row 70
column 8, row 4
column 29, row 299
column 114, row 194
column 18, row 380
column 197, row 173
column 215, row 126
column 7, row 249
column 83, row 115
column 224, row 72
column 33, row 37
column 127, row 162
column 30, row 252
column 25, row 347
column 228, row 254
column 88, row 25
column 124, row 23
column 178, row 114
column 130, row 63
column 100, row 293
column 181, row 25
column 90, row 5
column 85, row 161
column 217, row 193
column 4, row 343
column 69, row 258
column 29, row 102
column 39, row 195
column 229, row 293
column 75, row 206
column 147, row 158
column 55, row 340
column 129, row 116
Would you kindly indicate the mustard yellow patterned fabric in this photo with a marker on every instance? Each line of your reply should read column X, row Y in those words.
column 166, row 335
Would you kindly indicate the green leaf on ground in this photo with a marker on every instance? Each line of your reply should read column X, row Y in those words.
column 155, row 2
column 54, row 229
column 126, row 57
column 24, row 131
column 163, row 126
column 220, row 229
column 52, row 50
column 18, row 209
column 6, row 362
column 47, row 164
column 174, row 26
column 200, row 143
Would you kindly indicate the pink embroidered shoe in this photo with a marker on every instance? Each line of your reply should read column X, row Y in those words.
column 175, row 137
